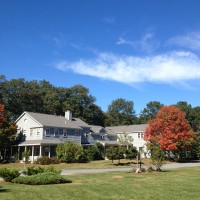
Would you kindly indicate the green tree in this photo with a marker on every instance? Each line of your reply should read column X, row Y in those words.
column 157, row 157
column 19, row 95
column 125, row 139
column 115, row 153
column 195, row 118
column 131, row 153
column 71, row 152
column 8, row 132
column 111, row 153
column 93, row 153
column 120, row 112
column 150, row 111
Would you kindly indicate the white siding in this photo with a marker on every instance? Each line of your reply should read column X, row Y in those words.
column 26, row 123
column 138, row 142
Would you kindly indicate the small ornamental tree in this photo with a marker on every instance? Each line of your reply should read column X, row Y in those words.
column 71, row 152
column 8, row 132
column 170, row 130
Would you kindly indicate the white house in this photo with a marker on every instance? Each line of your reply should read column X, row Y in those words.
column 135, row 131
column 43, row 132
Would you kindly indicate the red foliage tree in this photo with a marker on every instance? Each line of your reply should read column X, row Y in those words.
column 8, row 131
column 170, row 130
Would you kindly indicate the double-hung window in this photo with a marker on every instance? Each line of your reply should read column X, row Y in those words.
column 47, row 132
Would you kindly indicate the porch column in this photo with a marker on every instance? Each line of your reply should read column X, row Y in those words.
column 49, row 151
column 32, row 154
column 40, row 155
column 18, row 152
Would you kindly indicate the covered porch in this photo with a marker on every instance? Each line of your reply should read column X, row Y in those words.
column 38, row 149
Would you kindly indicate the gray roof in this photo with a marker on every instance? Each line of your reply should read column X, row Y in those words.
column 97, row 129
column 41, row 142
column 57, row 121
column 127, row 129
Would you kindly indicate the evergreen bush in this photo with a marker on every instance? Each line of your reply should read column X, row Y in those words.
column 42, row 179
column 8, row 174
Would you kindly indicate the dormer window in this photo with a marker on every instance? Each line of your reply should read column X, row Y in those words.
column 47, row 132
column 102, row 137
column 86, row 134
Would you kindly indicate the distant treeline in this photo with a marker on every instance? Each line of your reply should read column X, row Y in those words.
column 19, row 95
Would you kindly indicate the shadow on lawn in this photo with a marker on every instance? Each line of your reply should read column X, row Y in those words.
column 127, row 164
column 4, row 190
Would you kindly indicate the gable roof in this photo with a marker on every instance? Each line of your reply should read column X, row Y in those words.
column 56, row 121
column 129, row 128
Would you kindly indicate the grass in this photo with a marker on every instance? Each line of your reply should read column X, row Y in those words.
column 90, row 165
column 176, row 184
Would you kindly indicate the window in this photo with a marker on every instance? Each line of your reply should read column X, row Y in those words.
column 76, row 131
column 47, row 132
column 140, row 135
column 102, row 137
column 38, row 131
column 86, row 134
column 65, row 133
column 56, row 132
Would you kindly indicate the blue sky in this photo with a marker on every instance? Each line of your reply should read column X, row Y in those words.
column 139, row 50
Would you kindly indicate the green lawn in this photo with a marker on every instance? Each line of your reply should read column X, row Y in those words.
column 90, row 165
column 174, row 184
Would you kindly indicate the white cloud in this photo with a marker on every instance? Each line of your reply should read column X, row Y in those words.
column 190, row 40
column 146, row 43
column 169, row 68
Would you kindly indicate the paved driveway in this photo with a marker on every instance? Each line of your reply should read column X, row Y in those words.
column 127, row 169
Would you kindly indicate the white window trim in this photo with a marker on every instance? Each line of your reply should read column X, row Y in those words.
column 45, row 133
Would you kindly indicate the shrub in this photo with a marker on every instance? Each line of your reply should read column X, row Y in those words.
column 34, row 170
column 8, row 174
column 54, row 160
column 93, row 153
column 43, row 160
column 52, row 169
column 70, row 152
column 38, row 170
column 41, row 179
column 47, row 161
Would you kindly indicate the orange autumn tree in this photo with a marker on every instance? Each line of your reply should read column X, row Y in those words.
column 8, row 131
column 170, row 130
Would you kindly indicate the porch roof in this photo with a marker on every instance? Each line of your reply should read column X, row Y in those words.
column 41, row 142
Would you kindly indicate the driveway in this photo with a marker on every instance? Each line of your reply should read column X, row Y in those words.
column 127, row 169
